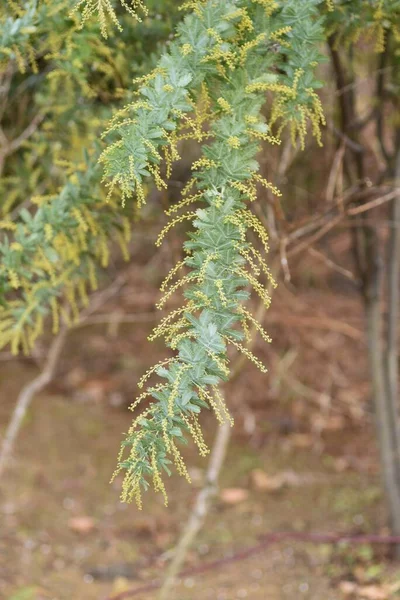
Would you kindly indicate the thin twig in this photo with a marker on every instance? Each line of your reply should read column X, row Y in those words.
column 27, row 394
column 106, row 319
column 28, row 131
column 335, row 174
column 330, row 263
column 373, row 203
column 47, row 373
column 200, row 509
column 318, row 323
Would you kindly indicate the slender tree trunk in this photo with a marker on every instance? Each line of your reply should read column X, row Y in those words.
column 385, row 411
column 382, row 342
column 390, row 393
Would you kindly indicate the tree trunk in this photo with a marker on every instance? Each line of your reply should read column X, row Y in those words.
column 382, row 344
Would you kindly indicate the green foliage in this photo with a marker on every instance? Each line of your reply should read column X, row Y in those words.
column 105, row 10
column 55, row 250
column 369, row 18
column 219, row 68
column 238, row 73
column 59, row 86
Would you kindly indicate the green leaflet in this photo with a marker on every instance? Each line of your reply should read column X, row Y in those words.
column 222, row 51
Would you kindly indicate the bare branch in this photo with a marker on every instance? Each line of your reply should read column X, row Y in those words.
column 26, row 396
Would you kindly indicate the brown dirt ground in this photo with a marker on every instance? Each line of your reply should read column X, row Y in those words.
column 309, row 416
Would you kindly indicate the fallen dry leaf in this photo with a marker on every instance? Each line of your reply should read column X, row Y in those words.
column 348, row 588
column 373, row 592
column 234, row 495
column 341, row 464
column 271, row 483
column 264, row 482
column 82, row 525
column 96, row 390
column 366, row 592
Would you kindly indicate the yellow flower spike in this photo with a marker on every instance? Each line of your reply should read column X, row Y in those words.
column 32, row 58
column 123, row 246
column 19, row 59
column 217, row 403
column 164, row 323
column 104, row 9
column 104, row 251
column 167, row 440
column 55, row 315
column 222, row 404
column 276, row 35
column 213, row 405
column 153, row 369
column 178, row 338
column 260, row 86
column 175, row 389
column 203, row 163
column 152, row 148
column 246, row 254
column 71, row 297
column 246, row 331
column 221, row 293
column 149, row 392
column 186, row 49
column 14, row 279
column 261, row 291
column 172, row 272
column 224, row 104
column 80, row 219
column 48, row 232
column 247, row 315
column 184, row 202
column 138, row 421
column 248, row 46
column 196, row 434
column 248, row 353
column 83, row 295
column 8, row 225
column 203, row 298
column 234, row 142
column 267, row 184
column 37, row 330
column 184, row 217
column 160, row 183
column 270, row 5
column 157, row 481
column 17, row 10
column 254, row 223
column 179, row 462
column 215, row 35
column 220, row 363
column 246, row 24
column 204, row 266
column 171, row 333
column 263, row 265
column 248, row 189
column 92, row 276
column 192, row 181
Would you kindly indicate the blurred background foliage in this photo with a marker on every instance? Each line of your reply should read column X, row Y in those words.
column 59, row 85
